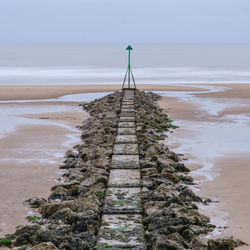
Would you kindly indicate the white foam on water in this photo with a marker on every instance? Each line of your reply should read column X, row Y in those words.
column 209, row 105
column 85, row 75
column 72, row 139
column 11, row 114
column 12, row 117
column 83, row 97
column 42, row 155
column 213, row 139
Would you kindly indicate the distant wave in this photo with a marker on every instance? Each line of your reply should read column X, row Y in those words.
column 77, row 75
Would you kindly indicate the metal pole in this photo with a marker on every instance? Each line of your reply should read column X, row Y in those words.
column 129, row 69
column 133, row 78
column 124, row 79
column 129, row 73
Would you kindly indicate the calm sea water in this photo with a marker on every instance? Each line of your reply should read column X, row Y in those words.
column 68, row 64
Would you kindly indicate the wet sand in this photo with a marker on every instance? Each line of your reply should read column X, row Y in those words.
column 30, row 157
column 232, row 190
column 22, row 175
column 230, row 187
column 31, row 154
column 51, row 91
column 235, row 91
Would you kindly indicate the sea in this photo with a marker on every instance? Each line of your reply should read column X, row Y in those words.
column 106, row 64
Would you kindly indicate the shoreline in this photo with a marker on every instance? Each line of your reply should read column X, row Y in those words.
column 27, row 92
column 33, row 150
column 234, row 196
column 31, row 92
column 182, row 111
column 77, row 203
column 232, row 209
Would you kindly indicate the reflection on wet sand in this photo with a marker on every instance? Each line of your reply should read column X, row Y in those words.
column 209, row 134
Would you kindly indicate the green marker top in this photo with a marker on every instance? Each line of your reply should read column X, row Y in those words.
column 129, row 48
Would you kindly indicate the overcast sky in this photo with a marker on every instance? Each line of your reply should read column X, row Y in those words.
column 125, row 21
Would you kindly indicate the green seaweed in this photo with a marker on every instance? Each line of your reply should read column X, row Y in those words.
column 160, row 129
column 5, row 242
column 121, row 229
column 119, row 202
column 33, row 218
column 100, row 194
column 22, row 248
column 169, row 120
column 173, row 126
column 170, row 125
column 159, row 137
column 106, row 245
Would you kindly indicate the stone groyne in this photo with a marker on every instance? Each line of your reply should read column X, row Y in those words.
column 121, row 225
column 122, row 188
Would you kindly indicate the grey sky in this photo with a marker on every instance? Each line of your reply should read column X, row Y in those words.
column 125, row 21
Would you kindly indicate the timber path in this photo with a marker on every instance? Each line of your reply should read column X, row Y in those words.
column 121, row 224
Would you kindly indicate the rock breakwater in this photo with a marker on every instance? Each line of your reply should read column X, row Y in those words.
column 122, row 188
column 170, row 215
column 70, row 218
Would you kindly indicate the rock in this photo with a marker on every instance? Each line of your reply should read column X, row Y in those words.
column 45, row 246
column 187, row 234
column 163, row 188
column 70, row 188
column 69, row 163
column 56, row 196
column 226, row 243
column 63, row 214
column 88, row 182
column 187, row 179
column 171, row 177
column 76, row 243
column 173, row 156
column 176, row 237
column 149, row 172
column 43, row 236
column 198, row 244
column 95, row 179
column 66, row 185
column 152, row 207
column 162, row 243
column 189, row 195
column 206, row 201
column 50, row 208
column 23, row 234
column 165, row 164
column 180, row 167
column 148, row 183
column 35, row 202
column 62, row 230
column 69, row 154
column 88, row 237
column 22, row 239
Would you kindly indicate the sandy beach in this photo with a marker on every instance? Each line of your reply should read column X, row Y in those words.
column 124, row 125
column 54, row 91
column 31, row 154
column 33, row 149
column 36, row 176
column 230, row 173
